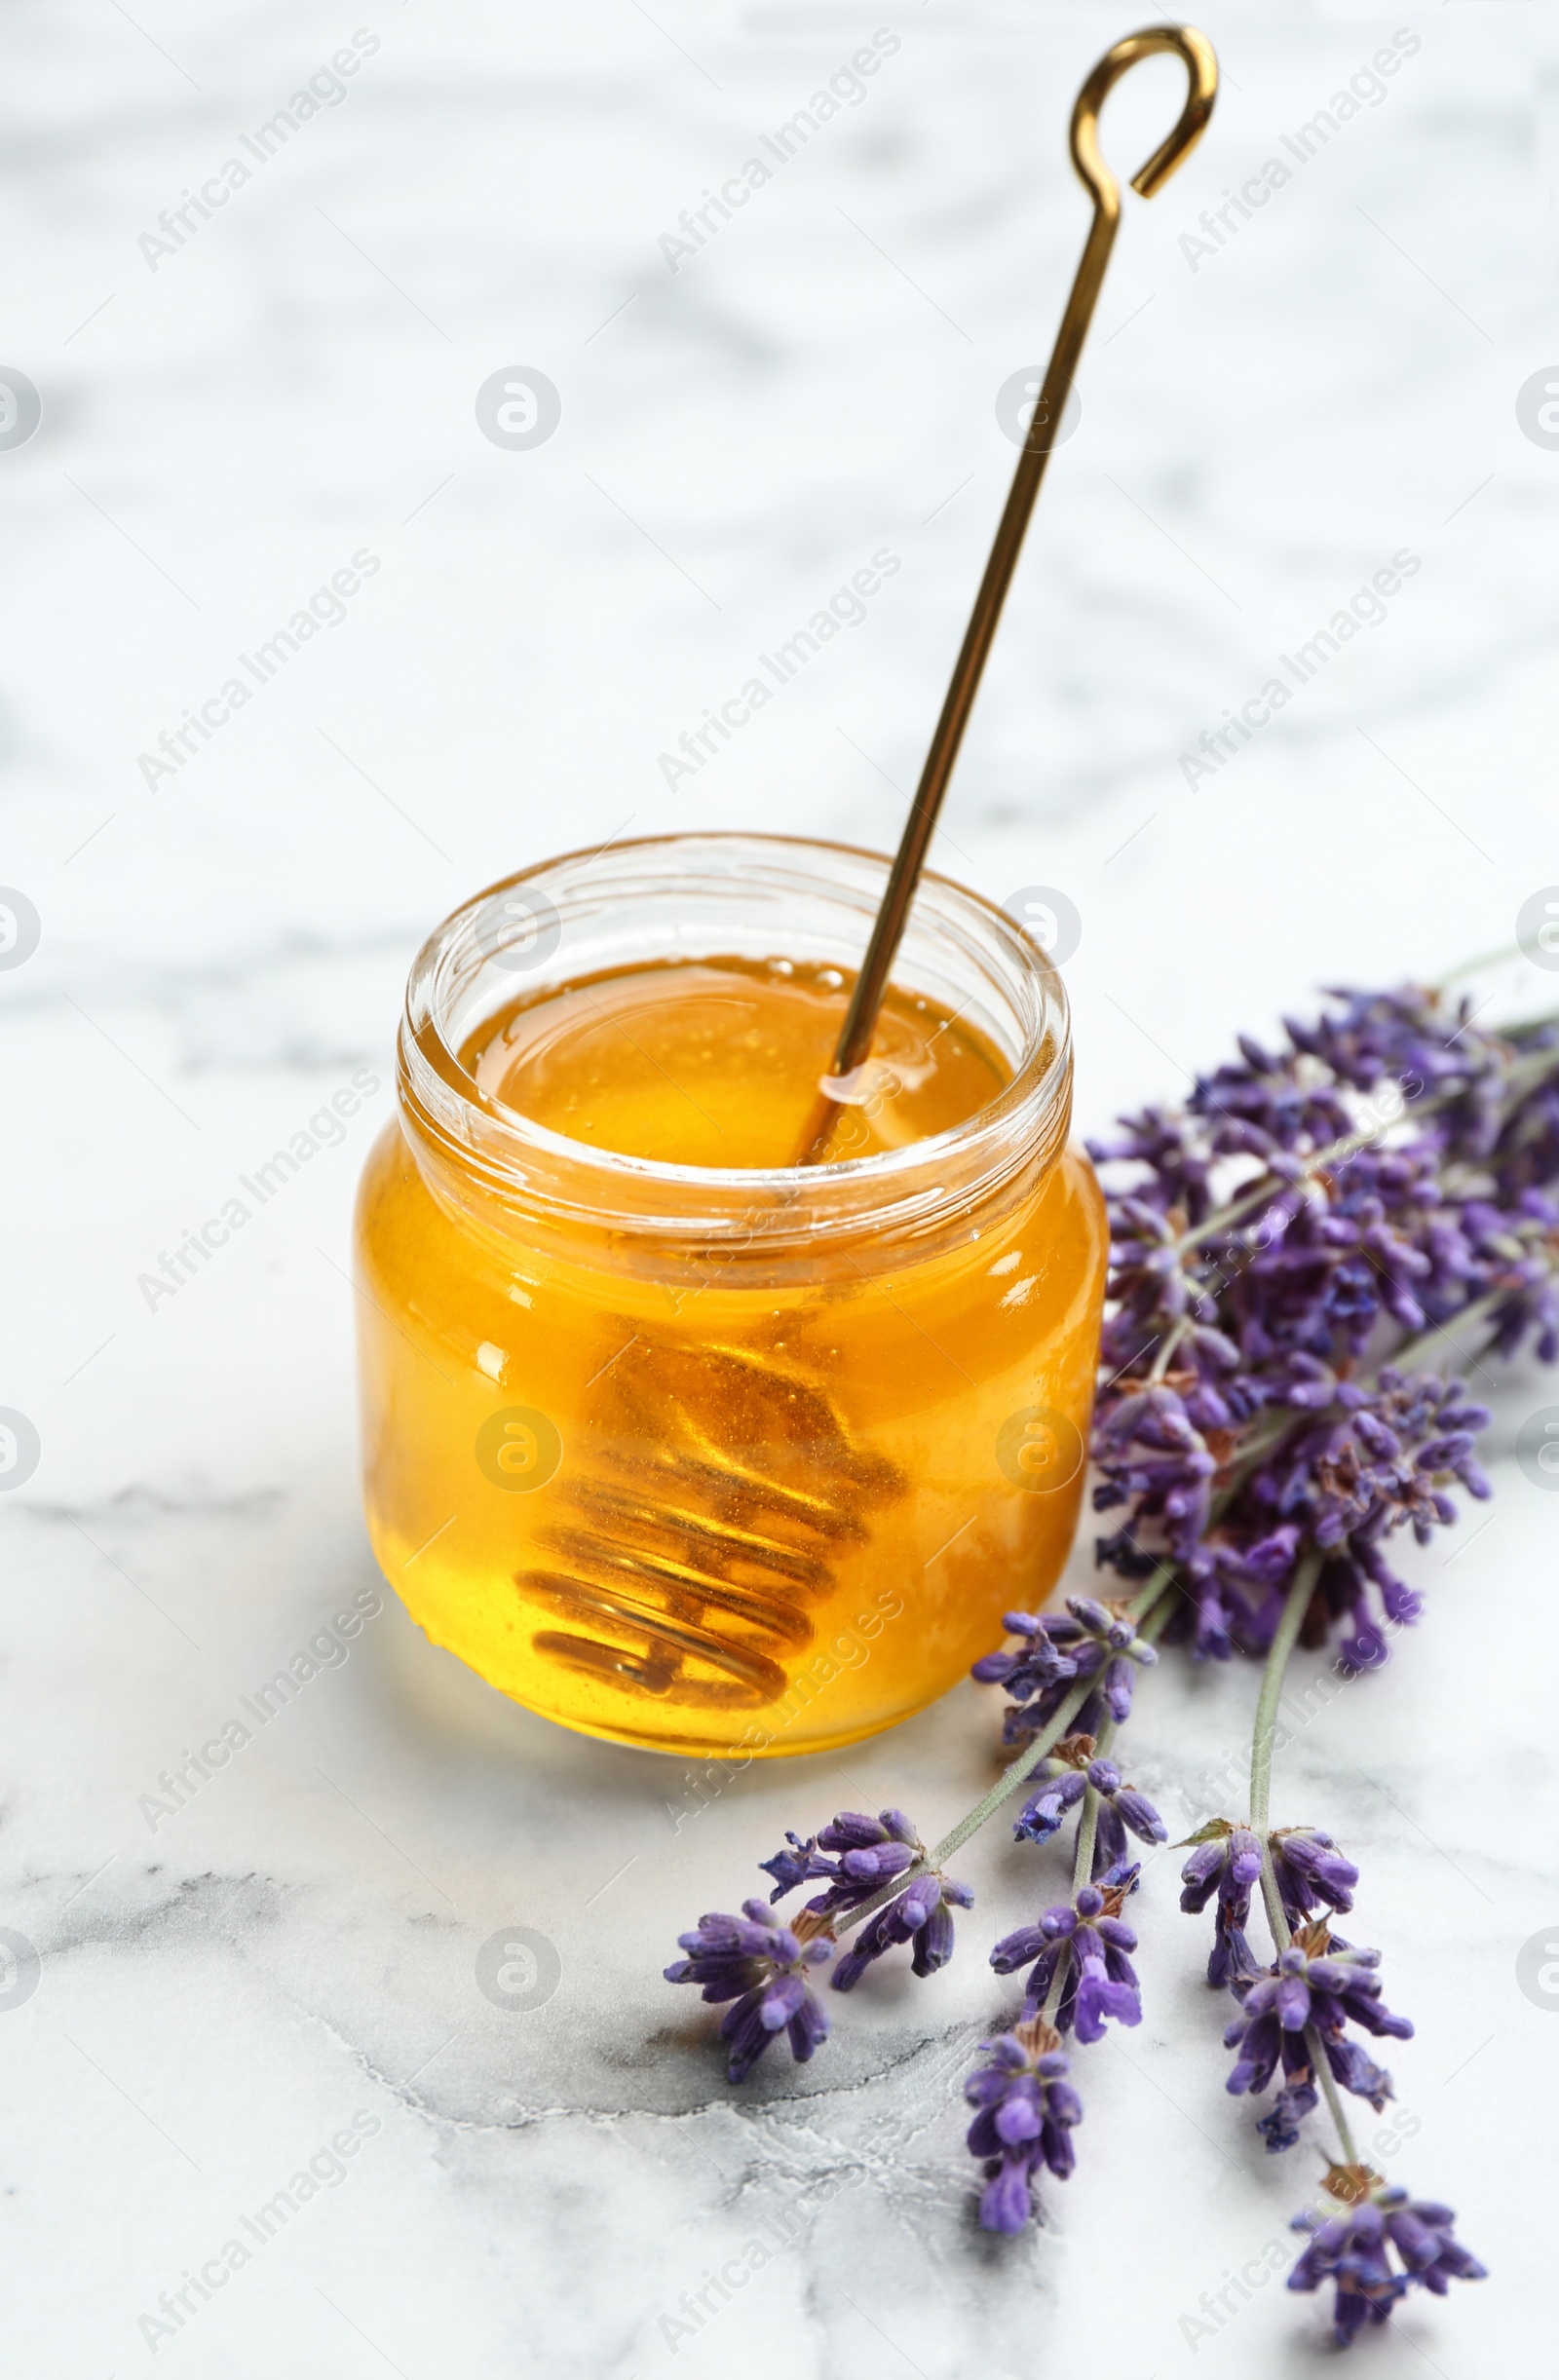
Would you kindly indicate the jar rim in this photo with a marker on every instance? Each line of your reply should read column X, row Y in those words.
column 528, row 1163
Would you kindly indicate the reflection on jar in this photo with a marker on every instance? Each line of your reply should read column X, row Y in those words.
column 718, row 1455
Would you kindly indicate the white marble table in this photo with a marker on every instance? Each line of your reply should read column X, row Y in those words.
column 225, row 1991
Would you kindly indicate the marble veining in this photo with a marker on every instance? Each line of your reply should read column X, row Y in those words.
column 226, row 1988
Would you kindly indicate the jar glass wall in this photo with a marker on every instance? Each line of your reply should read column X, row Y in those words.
column 724, row 1461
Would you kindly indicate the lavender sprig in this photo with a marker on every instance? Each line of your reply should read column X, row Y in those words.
column 1352, row 2237
column 1091, row 1640
column 1387, row 1175
column 1077, row 1956
column 761, row 1967
column 1233, row 1428
column 873, row 1851
column 1026, row 2109
column 1065, row 1778
column 1315, row 1986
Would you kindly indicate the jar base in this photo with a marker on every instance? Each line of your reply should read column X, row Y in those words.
column 738, row 1747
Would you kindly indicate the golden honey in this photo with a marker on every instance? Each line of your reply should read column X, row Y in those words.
column 672, row 1441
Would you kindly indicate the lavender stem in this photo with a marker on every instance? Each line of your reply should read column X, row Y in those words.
column 1261, row 1780
column 1017, row 1774
column 1272, row 1687
column 1323, row 2075
column 1053, row 1997
column 1088, row 1828
column 1520, row 1079
column 1151, row 1613
column 1082, row 1866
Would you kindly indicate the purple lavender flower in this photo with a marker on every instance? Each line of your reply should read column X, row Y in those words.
column 921, row 1914
column 762, row 1968
column 1037, row 1664
column 1027, row 2109
column 1297, row 2099
column 1319, row 1981
column 1089, row 1639
column 1390, row 1166
column 1310, row 1870
column 1343, row 1484
column 1126, row 1809
column 1350, row 2244
column 1339, row 1482
column 1226, row 1859
column 1086, row 1939
column 1063, row 1780
column 872, row 1851
column 1150, row 1448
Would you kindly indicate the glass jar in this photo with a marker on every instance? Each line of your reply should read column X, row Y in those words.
column 719, row 1461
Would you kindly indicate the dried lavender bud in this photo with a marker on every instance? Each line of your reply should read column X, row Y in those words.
column 762, row 1967
column 1320, row 1982
column 1122, row 1809
column 872, row 1851
column 1061, row 1789
column 921, row 1914
column 1351, row 2237
column 1090, row 1639
column 1085, row 1940
column 1309, row 1868
column 1226, row 1860
column 1027, row 2109
column 1064, row 1779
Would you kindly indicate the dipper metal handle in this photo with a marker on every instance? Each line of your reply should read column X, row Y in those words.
column 1202, row 69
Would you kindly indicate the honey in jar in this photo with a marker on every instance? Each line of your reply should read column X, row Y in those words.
column 674, row 1441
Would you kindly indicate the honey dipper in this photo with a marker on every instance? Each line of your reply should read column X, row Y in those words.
column 687, row 1568
column 1201, row 68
